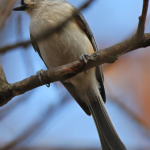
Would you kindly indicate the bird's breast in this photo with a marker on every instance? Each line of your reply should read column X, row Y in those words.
column 64, row 46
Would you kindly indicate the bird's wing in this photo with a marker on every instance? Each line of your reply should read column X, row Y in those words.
column 99, row 71
column 36, row 47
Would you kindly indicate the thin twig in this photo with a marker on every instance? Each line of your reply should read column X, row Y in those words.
column 142, row 19
column 2, row 76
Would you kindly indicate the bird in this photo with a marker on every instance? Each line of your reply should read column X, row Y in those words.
column 75, row 40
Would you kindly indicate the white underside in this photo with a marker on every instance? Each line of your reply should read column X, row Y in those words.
column 65, row 46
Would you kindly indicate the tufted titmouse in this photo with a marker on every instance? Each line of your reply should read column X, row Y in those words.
column 65, row 46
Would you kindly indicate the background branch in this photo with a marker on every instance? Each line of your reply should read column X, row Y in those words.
column 49, row 112
column 5, row 10
column 46, row 33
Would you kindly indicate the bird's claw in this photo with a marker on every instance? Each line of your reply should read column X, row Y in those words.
column 40, row 73
column 84, row 57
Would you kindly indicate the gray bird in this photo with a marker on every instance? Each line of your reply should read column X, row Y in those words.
column 74, row 40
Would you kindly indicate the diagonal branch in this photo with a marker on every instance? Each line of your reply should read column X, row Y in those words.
column 125, row 108
column 67, row 71
column 48, row 113
column 142, row 19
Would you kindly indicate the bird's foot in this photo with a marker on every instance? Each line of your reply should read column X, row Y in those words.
column 84, row 57
column 40, row 73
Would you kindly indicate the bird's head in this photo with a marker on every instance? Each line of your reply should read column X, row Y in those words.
column 31, row 4
column 26, row 4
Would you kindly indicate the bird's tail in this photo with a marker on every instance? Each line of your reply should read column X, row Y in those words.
column 107, row 133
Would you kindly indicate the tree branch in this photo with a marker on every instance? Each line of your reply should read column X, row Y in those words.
column 108, row 55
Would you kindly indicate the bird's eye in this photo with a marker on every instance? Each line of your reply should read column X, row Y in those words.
column 22, row 2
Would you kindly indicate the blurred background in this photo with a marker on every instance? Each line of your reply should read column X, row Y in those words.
column 49, row 118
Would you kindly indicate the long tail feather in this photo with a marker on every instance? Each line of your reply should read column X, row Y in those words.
column 107, row 133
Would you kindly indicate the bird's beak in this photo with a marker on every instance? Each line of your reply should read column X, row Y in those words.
column 21, row 7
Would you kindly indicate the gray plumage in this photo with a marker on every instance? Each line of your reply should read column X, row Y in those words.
column 66, row 46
